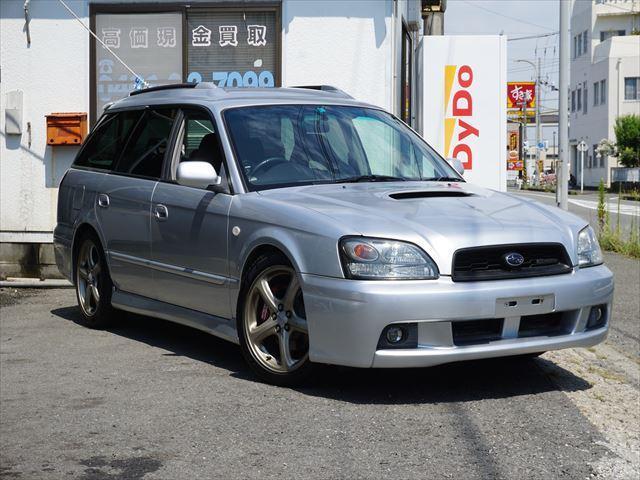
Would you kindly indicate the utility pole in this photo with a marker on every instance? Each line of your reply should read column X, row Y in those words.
column 555, row 166
column 538, row 126
column 536, row 69
column 563, row 110
column 525, row 150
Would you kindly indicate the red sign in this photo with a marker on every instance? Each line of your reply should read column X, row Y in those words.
column 519, row 92
column 457, row 83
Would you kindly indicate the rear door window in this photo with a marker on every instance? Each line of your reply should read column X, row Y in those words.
column 106, row 143
column 145, row 153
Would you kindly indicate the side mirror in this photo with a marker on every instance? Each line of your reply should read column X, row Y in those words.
column 456, row 164
column 197, row 174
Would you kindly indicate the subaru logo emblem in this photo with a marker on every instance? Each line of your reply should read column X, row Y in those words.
column 513, row 259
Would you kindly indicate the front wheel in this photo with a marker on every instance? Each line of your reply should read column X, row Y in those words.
column 272, row 323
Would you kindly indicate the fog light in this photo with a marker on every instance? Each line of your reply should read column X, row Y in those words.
column 395, row 334
column 597, row 317
column 399, row 335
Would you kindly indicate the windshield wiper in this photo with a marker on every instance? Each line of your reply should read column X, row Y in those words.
column 444, row 179
column 370, row 178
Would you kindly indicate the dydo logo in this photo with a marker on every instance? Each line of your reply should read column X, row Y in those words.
column 458, row 100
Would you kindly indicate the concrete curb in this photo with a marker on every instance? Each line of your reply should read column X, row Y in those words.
column 34, row 283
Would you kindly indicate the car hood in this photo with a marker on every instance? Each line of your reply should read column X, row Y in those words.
column 440, row 217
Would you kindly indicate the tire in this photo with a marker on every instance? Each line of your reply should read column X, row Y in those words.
column 271, row 322
column 93, row 283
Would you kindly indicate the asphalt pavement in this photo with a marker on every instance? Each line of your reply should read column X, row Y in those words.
column 150, row 399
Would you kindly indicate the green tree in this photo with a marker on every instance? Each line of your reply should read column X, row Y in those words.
column 627, row 130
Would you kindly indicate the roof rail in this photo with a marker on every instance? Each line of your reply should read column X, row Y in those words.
column 325, row 88
column 172, row 86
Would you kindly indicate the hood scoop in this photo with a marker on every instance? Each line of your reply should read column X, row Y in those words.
column 429, row 194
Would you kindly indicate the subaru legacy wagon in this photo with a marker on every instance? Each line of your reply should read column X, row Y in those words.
column 312, row 228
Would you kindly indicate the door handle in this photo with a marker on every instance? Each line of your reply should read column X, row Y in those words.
column 103, row 200
column 161, row 213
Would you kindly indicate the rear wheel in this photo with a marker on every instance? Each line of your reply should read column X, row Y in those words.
column 93, row 283
column 272, row 323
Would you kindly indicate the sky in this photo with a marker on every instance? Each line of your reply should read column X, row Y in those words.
column 514, row 18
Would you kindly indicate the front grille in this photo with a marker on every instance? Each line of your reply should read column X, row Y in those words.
column 545, row 325
column 488, row 263
column 476, row 332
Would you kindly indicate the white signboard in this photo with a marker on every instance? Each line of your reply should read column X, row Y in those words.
column 464, row 113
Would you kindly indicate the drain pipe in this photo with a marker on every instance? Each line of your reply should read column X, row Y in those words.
column 26, row 21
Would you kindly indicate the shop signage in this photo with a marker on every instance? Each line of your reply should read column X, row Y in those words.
column 520, row 92
column 232, row 49
column 514, row 163
column 150, row 43
column 464, row 111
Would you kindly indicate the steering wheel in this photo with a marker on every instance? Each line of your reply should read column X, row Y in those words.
column 267, row 164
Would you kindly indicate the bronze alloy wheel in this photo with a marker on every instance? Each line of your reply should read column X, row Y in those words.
column 275, row 324
column 88, row 277
column 93, row 283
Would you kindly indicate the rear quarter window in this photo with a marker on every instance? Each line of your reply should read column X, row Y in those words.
column 144, row 154
column 107, row 141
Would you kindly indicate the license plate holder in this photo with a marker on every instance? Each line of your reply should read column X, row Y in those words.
column 525, row 305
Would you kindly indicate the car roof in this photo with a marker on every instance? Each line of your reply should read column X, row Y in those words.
column 221, row 98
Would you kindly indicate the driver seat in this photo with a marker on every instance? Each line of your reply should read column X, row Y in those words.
column 208, row 151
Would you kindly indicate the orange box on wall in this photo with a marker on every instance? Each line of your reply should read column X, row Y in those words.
column 66, row 128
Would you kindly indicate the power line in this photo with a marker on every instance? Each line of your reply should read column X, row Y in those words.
column 532, row 36
column 505, row 16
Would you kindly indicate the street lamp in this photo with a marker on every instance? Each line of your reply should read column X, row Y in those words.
column 537, row 77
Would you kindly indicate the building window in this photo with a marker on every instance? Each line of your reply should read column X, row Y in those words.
column 579, row 99
column 573, row 100
column 632, row 88
column 584, row 41
column 585, row 100
column 135, row 39
column 579, row 47
column 243, row 49
column 603, row 91
column 595, row 155
column 606, row 35
column 596, row 94
column 232, row 47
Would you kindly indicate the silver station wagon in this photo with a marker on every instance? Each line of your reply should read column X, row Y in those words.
column 311, row 228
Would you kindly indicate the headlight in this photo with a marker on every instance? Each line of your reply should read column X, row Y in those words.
column 378, row 259
column 589, row 253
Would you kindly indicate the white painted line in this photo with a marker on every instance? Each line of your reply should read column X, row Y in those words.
column 633, row 210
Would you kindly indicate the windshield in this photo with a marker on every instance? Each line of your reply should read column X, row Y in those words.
column 285, row 145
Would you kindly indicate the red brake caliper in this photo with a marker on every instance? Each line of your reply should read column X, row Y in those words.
column 264, row 314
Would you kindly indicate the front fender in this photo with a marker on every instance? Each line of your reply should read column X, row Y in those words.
column 308, row 239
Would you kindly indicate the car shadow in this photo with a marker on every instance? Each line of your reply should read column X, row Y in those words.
column 456, row 382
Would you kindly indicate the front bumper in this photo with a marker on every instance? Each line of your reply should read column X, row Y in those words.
column 347, row 317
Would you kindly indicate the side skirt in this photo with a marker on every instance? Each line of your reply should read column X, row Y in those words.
column 217, row 326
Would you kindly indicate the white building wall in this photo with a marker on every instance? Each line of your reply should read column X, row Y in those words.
column 613, row 60
column 53, row 74
column 354, row 45
column 346, row 44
